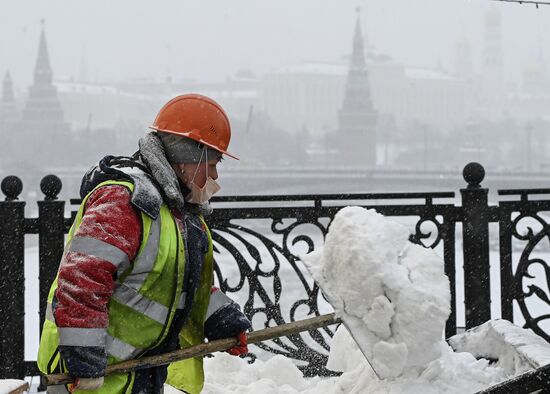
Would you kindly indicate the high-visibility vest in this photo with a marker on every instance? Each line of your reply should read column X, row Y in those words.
column 148, row 292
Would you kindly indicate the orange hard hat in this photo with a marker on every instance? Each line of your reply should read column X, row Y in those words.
column 197, row 117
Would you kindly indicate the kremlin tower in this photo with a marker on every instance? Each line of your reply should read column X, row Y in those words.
column 356, row 135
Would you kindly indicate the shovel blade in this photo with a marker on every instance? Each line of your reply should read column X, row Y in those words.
column 352, row 323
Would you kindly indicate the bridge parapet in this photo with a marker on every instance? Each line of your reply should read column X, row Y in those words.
column 259, row 240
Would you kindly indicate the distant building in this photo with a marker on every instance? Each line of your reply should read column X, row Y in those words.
column 307, row 94
column 8, row 117
column 8, row 113
column 42, row 129
column 531, row 103
column 492, row 66
column 89, row 105
column 464, row 61
column 355, row 137
column 312, row 94
column 420, row 95
column 99, row 105
column 43, row 110
column 535, row 81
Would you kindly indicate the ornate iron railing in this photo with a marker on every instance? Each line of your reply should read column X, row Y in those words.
column 270, row 267
column 258, row 242
column 534, row 251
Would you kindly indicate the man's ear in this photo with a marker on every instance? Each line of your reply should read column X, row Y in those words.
column 178, row 168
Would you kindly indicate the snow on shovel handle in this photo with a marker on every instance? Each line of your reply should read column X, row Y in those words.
column 203, row 349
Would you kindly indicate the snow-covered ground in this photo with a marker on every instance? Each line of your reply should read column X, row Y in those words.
column 449, row 373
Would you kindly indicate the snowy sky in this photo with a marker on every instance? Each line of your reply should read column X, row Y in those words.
column 211, row 39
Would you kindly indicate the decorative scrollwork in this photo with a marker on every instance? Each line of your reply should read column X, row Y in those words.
column 258, row 261
column 530, row 233
column 292, row 236
column 532, row 293
column 420, row 235
column 264, row 267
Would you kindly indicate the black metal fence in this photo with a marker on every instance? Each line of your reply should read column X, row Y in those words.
column 258, row 240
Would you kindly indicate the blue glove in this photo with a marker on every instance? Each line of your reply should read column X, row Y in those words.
column 226, row 319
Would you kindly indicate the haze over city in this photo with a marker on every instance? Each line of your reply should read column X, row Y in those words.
column 210, row 40
column 427, row 85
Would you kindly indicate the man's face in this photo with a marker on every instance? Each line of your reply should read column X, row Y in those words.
column 187, row 171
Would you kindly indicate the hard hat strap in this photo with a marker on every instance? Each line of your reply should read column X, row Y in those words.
column 206, row 161
column 200, row 161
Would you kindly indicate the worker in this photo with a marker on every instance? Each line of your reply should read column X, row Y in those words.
column 136, row 277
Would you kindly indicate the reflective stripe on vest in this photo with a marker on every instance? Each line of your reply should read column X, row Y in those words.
column 127, row 293
column 139, row 303
column 99, row 249
column 152, row 309
column 217, row 301
column 145, row 261
column 49, row 312
column 181, row 304
column 70, row 336
column 120, row 349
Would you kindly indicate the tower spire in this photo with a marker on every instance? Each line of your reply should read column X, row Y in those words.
column 358, row 54
column 42, row 69
column 357, row 118
column 42, row 127
column 43, row 112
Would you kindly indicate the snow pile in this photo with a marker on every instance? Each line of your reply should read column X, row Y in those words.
column 451, row 373
column 228, row 374
column 515, row 349
column 392, row 294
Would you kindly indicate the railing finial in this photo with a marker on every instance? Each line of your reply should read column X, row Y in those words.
column 473, row 174
column 12, row 187
column 50, row 186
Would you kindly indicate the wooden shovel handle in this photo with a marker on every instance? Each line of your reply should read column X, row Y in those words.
column 20, row 390
column 203, row 349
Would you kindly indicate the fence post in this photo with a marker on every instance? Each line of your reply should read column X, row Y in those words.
column 12, row 280
column 475, row 229
column 51, row 237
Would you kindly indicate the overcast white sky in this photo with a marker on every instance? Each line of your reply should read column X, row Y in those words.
column 211, row 39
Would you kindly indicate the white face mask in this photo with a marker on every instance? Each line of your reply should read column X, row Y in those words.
column 200, row 195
